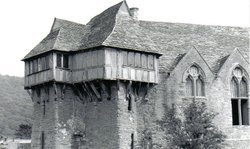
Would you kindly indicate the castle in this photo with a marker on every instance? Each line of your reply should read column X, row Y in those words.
column 101, row 85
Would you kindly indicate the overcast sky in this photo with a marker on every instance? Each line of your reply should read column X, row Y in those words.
column 24, row 23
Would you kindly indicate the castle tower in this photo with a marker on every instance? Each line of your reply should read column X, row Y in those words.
column 85, row 81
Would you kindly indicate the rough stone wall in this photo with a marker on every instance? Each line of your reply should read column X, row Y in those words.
column 217, row 96
column 63, row 117
column 106, row 124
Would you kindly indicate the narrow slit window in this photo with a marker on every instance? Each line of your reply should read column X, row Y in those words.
column 42, row 141
column 129, row 103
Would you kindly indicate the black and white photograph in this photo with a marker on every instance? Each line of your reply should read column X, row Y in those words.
column 125, row 74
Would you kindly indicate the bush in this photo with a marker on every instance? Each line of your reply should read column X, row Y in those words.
column 195, row 131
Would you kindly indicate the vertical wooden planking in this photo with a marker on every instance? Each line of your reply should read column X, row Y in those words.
column 138, row 75
column 144, row 60
column 119, row 64
column 137, row 59
column 124, row 58
column 100, row 57
column 113, row 63
column 108, row 57
column 94, row 58
column 54, row 64
column 125, row 73
column 150, row 62
column 84, row 60
column 88, row 56
column 27, row 68
column 132, row 73
column 131, row 59
column 156, row 68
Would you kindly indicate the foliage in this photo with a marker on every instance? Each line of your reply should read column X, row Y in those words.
column 15, row 105
column 195, row 131
column 24, row 131
column 146, row 142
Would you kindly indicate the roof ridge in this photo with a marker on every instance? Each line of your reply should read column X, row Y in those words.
column 58, row 34
column 114, row 24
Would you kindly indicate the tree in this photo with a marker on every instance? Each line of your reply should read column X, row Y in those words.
column 195, row 131
column 24, row 131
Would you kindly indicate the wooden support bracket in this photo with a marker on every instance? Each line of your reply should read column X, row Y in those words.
column 95, row 90
column 63, row 91
column 31, row 94
column 85, row 86
column 78, row 92
column 55, row 88
column 104, row 89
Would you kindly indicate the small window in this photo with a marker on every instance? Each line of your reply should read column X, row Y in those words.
column 131, row 59
column 65, row 61
column 58, row 60
column 62, row 60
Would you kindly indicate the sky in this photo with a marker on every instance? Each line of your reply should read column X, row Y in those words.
column 24, row 23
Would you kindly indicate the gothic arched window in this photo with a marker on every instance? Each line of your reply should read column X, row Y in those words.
column 239, row 97
column 189, row 87
column 195, row 85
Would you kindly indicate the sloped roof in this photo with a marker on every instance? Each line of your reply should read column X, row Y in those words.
column 212, row 42
column 64, row 36
column 116, row 28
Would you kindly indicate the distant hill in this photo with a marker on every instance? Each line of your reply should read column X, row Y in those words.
column 15, row 105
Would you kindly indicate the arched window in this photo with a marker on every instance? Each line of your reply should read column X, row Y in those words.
column 243, row 88
column 239, row 98
column 195, row 85
column 234, row 88
column 199, row 87
column 189, row 87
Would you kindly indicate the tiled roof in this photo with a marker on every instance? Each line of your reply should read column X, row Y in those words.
column 115, row 27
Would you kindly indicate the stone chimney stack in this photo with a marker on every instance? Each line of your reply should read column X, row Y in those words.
column 134, row 12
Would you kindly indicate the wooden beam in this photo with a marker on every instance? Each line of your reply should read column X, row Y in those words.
column 85, row 86
column 78, row 92
column 95, row 90
column 30, row 94
column 55, row 88
column 63, row 91
column 104, row 88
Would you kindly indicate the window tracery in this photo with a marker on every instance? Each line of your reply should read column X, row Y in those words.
column 195, row 85
column 239, row 97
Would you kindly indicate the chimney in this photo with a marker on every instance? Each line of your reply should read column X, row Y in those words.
column 134, row 12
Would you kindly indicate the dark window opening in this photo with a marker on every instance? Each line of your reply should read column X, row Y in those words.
column 244, row 112
column 44, row 108
column 42, row 141
column 58, row 60
column 235, row 112
column 239, row 94
column 132, row 141
column 62, row 60
column 129, row 102
column 65, row 61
